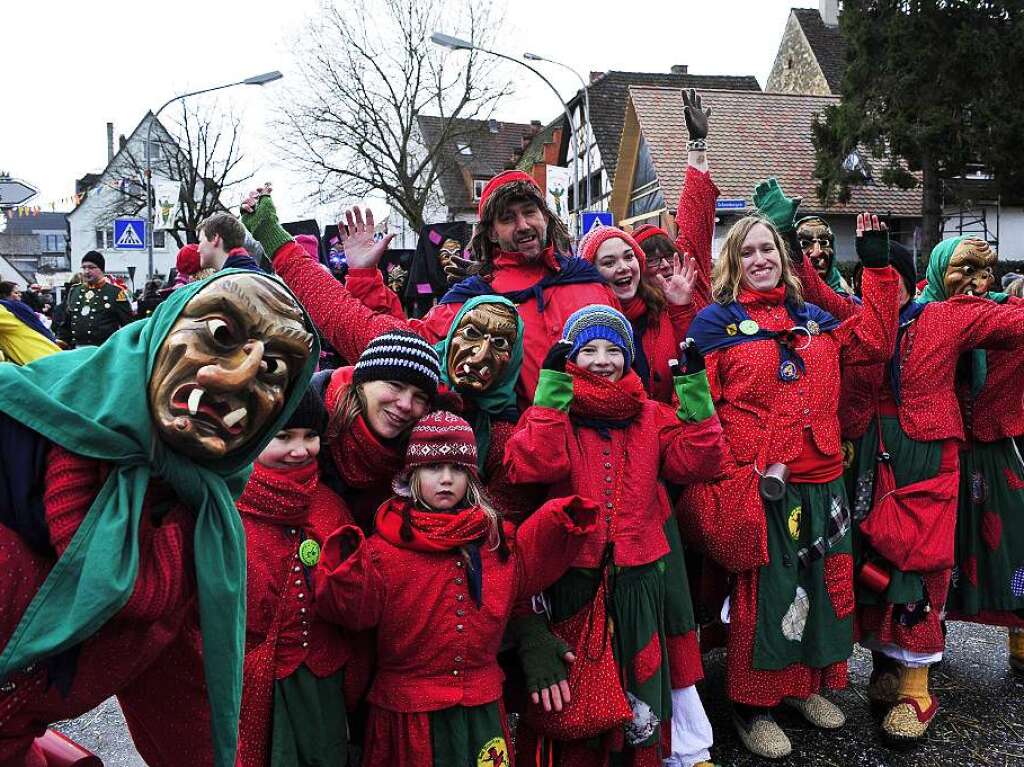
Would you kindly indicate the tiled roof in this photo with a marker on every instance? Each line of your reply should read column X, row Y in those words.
column 826, row 42
column 492, row 152
column 534, row 152
column 754, row 136
column 44, row 222
column 608, row 102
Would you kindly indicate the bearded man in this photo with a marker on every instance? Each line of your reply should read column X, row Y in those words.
column 524, row 256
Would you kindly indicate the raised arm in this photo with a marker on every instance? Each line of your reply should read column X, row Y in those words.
column 869, row 336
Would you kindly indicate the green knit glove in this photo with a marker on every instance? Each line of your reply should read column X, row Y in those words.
column 554, row 390
column 873, row 248
column 541, row 653
column 265, row 226
column 773, row 204
column 694, row 394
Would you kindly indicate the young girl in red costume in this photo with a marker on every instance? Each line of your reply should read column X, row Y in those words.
column 293, row 708
column 438, row 580
column 593, row 431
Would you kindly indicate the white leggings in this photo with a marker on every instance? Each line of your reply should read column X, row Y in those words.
column 691, row 730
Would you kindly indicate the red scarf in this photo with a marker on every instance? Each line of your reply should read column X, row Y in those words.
column 503, row 258
column 773, row 297
column 279, row 495
column 431, row 531
column 634, row 308
column 597, row 397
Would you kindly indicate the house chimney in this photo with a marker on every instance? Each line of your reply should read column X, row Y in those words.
column 829, row 10
column 121, row 141
column 595, row 76
column 492, row 126
column 679, row 69
column 110, row 142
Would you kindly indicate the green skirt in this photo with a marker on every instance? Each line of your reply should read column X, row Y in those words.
column 308, row 727
column 989, row 572
column 912, row 461
column 636, row 605
column 796, row 617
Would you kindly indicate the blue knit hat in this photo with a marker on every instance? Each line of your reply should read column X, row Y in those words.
column 599, row 321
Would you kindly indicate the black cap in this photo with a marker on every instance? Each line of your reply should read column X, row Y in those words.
column 310, row 414
column 92, row 257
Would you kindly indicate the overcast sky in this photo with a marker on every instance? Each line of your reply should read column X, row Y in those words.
column 70, row 67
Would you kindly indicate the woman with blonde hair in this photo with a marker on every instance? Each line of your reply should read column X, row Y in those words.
column 777, row 517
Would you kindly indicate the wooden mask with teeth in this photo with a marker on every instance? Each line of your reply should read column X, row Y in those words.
column 817, row 243
column 481, row 347
column 970, row 268
column 448, row 249
column 221, row 376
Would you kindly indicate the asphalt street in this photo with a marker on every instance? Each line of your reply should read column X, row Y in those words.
column 981, row 721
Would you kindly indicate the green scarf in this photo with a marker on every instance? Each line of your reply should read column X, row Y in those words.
column 93, row 401
column 834, row 278
column 501, row 395
column 935, row 290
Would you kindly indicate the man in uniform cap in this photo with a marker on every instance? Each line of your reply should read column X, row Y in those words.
column 95, row 308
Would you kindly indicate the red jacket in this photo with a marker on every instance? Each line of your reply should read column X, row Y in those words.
column 435, row 648
column 998, row 410
column 315, row 288
column 147, row 654
column 622, row 474
column 660, row 342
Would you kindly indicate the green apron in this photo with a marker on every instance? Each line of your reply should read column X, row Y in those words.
column 796, row 621
column 467, row 736
column 309, row 727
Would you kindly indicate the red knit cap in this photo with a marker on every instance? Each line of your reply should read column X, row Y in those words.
column 505, row 177
column 592, row 240
column 187, row 262
column 441, row 437
column 644, row 231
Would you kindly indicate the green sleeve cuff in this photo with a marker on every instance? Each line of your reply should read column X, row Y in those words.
column 554, row 390
column 694, row 394
column 265, row 226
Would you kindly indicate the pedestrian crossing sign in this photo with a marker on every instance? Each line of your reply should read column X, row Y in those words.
column 129, row 234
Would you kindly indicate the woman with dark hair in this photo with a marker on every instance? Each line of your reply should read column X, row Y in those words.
column 778, row 517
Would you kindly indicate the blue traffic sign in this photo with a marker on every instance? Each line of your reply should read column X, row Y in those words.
column 129, row 234
column 731, row 204
column 593, row 219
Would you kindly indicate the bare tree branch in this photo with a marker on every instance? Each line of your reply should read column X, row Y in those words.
column 369, row 73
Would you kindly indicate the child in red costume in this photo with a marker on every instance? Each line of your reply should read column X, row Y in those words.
column 593, row 431
column 293, row 708
column 439, row 580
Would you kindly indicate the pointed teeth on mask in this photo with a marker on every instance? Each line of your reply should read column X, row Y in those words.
column 194, row 399
column 466, row 368
column 483, row 370
column 235, row 416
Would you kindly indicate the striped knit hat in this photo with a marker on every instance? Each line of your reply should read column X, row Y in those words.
column 599, row 321
column 399, row 355
column 438, row 437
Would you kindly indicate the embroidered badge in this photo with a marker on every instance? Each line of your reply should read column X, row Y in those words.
column 794, row 523
column 813, row 328
column 85, row 311
column 309, row 552
column 122, row 296
column 749, row 327
column 788, row 371
column 89, row 294
column 1017, row 583
column 493, row 754
column 795, row 619
column 730, row 329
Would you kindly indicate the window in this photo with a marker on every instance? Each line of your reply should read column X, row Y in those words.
column 159, row 239
column 478, row 188
column 53, row 243
column 104, row 238
column 465, row 149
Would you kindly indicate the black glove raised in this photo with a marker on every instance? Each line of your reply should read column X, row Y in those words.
column 557, row 355
column 696, row 117
column 873, row 248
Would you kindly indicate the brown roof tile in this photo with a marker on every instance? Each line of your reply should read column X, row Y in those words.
column 754, row 136
column 827, row 43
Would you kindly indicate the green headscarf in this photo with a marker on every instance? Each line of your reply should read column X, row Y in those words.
column 93, row 401
column 499, row 397
column 935, row 290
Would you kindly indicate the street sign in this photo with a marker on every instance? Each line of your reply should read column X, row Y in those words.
column 730, row 204
column 129, row 234
column 14, row 192
column 595, row 219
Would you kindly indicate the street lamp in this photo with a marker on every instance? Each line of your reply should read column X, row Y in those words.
column 263, row 79
column 458, row 44
column 586, row 111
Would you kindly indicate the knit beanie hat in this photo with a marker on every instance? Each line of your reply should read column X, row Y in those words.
column 438, row 437
column 592, row 241
column 310, row 244
column 92, row 257
column 902, row 260
column 310, row 414
column 644, row 231
column 399, row 355
column 503, row 178
column 187, row 262
column 599, row 321
column 1009, row 278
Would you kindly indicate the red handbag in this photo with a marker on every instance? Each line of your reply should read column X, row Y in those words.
column 598, row 702
column 913, row 526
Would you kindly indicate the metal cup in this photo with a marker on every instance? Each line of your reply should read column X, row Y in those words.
column 772, row 484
